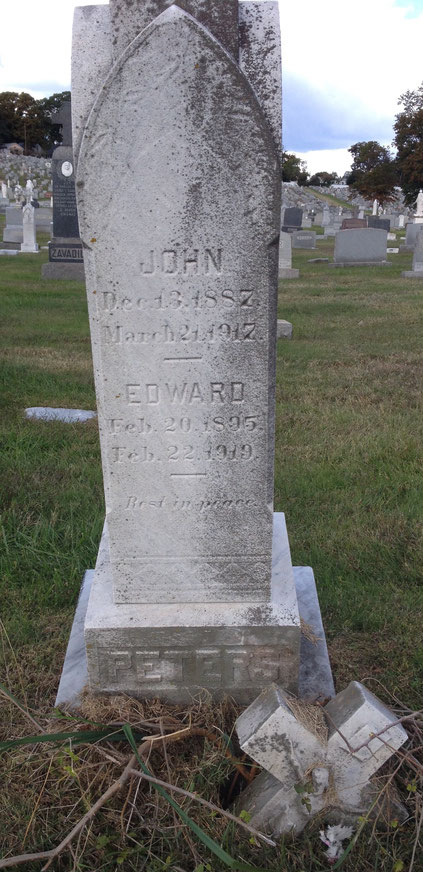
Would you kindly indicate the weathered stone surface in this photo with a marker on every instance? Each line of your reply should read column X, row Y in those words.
column 129, row 19
column 185, row 407
column 308, row 772
column 284, row 329
column 315, row 674
column 92, row 38
column 260, row 58
column 360, row 246
column 173, row 650
column 270, row 733
column 358, row 714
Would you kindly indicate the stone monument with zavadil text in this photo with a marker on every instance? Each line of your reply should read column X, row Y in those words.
column 65, row 249
column 194, row 586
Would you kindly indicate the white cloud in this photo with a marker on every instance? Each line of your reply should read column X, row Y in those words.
column 366, row 53
column 337, row 160
column 35, row 45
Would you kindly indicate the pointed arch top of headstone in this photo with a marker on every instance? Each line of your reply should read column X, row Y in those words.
column 218, row 16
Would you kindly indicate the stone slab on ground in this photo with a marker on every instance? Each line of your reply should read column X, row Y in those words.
column 286, row 273
column 318, row 260
column 315, row 677
column 68, row 416
column 284, row 329
column 410, row 274
column 4, row 252
column 360, row 263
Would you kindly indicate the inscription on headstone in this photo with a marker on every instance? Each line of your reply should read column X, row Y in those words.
column 65, row 248
column 183, row 321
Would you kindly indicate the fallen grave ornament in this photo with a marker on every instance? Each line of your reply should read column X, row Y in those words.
column 316, row 759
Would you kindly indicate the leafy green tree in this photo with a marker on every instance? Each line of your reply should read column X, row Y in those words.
column 409, row 143
column 374, row 172
column 293, row 169
column 24, row 119
column 323, row 179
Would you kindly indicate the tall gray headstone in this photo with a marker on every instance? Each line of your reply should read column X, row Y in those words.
column 65, row 248
column 194, row 585
column 285, row 258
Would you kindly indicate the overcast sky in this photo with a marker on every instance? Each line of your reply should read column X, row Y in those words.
column 345, row 65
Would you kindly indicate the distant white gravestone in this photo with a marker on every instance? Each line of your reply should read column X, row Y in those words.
column 194, row 584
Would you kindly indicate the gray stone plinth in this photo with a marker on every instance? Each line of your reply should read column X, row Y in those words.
column 8, row 251
column 360, row 263
column 286, row 273
column 284, row 330
column 410, row 274
column 68, row 416
column 315, row 675
column 73, row 271
column 171, row 650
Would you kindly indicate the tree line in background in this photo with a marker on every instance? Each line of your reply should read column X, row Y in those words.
column 375, row 170
column 28, row 121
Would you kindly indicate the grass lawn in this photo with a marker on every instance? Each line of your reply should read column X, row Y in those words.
column 349, row 477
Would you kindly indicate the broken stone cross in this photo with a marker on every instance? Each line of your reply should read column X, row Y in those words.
column 315, row 758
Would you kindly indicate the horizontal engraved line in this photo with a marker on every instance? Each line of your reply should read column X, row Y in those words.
column 182, row 358
column 188, row 474
column 205, row 557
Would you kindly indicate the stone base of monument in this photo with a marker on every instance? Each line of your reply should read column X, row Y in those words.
column 287, row 273
column 176, row 651
column 73, row 271
column 361, row 263
column 6, row 251
column 411, row 274
column 65, row 260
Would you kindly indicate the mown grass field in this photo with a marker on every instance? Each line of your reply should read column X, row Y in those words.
column 348, row 475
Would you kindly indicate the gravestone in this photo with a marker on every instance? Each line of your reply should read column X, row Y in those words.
column 412, row 231
column 29, row 244
column 292, row 219
column 194, row 586
column 285, row 258
column 379, row 223
column 418, row 217
column 65, row 248
column 13, row 231
column 326, row 216
column 360, row 247
column 353, row 223
column 417, row 271
column 304, row 239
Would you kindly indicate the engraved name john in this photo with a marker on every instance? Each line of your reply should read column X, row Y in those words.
column 182, row 261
